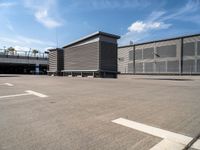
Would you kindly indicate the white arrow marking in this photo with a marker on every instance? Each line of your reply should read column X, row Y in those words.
column 36, row 93
column 29, row 92
column 16, row 95
column 175, row 137
column 168, row 145
column 7, row 84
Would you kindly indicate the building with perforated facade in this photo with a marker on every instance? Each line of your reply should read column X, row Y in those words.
column 180, row 55
column 94, row 55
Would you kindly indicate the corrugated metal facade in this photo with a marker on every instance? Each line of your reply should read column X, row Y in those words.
column 172, row 56
column 108, row 56
column 56, row 61
column 84, row 57
column 96, row 54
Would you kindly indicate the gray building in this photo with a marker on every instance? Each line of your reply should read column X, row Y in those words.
column 56, row 61
column 94, row 55
column 179, row 55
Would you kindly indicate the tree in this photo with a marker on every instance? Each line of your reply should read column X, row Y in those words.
column 11, row 50
column 34, row 51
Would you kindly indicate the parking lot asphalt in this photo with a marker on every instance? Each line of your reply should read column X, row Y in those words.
column 77, row 113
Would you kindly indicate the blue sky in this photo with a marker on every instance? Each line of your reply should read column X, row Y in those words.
column 34, row 24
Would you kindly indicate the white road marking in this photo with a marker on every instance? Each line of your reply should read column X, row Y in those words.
column 175, row 137
column 8, row 84
column 16, row 95
column 28, row 92
column 36, row 93
column 168, row 145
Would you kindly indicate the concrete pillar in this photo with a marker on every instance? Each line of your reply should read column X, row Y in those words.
column 134, row 59
column 37, row 69
column 181, row 56
column 93, row 75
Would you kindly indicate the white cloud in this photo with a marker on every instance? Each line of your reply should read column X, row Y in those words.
column 157, row 20
column 24, row 43
column 109, row 4
column 7, row 4
column 139, row 30
column 28, row 40
column 42, row 14
column 137, row 26
column 140, row 26
column 47, row 48
column 112, row 4
column 42, row 17
column 190, row 10
column 9, row 40
column 10, row 27
column 21, row 48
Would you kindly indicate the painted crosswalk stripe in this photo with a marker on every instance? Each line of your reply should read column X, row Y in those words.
column 175, row 137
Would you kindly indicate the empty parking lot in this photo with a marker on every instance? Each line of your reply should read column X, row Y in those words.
column 40, row 112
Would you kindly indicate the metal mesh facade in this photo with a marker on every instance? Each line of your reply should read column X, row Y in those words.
column 167, row 51
column 189, row 49
column 173, row 66
column 198, row 48
column 148, row 53
column 198, row 65
column 149, row 67
column 171, row 56
column 188, row 66
column 123, row 60
column 161, row 67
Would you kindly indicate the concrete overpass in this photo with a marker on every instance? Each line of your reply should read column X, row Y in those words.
column 23, row 63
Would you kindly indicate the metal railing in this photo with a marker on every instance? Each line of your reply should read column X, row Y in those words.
column 4, row 53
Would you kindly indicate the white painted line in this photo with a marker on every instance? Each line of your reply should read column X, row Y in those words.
column 175, row 137
column 28, row 92
column 8, row 84
column 36, row 93
column 16, row 95
column 168, row 145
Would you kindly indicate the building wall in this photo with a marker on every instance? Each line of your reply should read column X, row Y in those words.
column 163, row 57
column 56, row 61
column 60, row 60
column 124, row 62
column 108, row 56
column 82, row 57
column 53, row 61
column 191, row 55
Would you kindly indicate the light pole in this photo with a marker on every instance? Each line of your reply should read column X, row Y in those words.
column 29, row 52
column 4, row 49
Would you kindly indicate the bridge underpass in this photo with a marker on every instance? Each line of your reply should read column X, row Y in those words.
column 22, row 64
column 8, row 68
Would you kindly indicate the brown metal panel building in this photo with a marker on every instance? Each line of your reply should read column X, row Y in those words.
column 94, row 55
